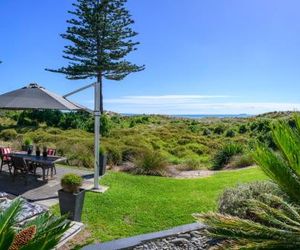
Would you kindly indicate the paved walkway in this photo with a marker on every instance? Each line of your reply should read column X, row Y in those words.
column 44, row 193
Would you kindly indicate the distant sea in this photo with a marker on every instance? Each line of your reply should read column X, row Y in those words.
column 200, row 116
column 213, row 116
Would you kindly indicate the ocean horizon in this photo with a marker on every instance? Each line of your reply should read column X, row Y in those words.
column 200, row 116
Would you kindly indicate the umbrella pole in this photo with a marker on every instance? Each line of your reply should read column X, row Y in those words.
column 97, row 135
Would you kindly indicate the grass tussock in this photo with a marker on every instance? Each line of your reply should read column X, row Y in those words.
column 150, row 163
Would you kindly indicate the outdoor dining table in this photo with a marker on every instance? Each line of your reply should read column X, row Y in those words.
column 43, row 162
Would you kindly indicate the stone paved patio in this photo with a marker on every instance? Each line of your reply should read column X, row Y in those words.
column 44, row 193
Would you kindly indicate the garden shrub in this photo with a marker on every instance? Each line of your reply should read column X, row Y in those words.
column 230, row 133
column 105, row 125
column 241, row 161
column 114, row 155
column 173, row 159
column 179, row 151
column 80, row 154
column 219, row 129
column 206, row 132
column 196, row 148
column 261, row 125
column 130, row 152
column 132, row 124
column 267, row 139
column 156, row 145
column 194, row 128
column 150, row 163
column 223, row 156
column 184, row 140
column 39, row 136
column 243, row 129
column 232, row 201
column 54, row 131
column 192, row 163
column 26, row 122
column 8, row 134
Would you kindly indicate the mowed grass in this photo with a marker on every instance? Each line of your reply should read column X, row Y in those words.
column 141, row 204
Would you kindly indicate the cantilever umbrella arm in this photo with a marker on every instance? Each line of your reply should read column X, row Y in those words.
column 79, row 90
column 97, row 115
column 34, row 96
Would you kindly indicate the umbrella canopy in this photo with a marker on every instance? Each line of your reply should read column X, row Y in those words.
column 36, row 97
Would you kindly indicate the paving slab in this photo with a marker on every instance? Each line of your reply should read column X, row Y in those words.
column 38, row 191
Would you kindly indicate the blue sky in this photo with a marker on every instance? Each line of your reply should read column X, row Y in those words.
column 201, row 56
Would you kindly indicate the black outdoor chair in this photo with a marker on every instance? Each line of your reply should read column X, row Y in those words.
column 45, row 170
column 20, row 166
column 51, row 152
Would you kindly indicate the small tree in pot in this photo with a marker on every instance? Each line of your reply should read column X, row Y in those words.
column 27, row 145
column 71, row 196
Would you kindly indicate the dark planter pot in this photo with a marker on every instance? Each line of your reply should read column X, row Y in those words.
column 26, row 147
column 103, row 163
column 71, row 204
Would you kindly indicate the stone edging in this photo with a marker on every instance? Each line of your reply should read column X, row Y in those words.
column 140, row 239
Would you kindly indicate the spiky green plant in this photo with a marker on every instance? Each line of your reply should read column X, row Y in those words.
column 150, row 162
column 45, row 230
column 279, row 224
column 7, row 222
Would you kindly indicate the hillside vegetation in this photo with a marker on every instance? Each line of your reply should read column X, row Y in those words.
column 192, row 144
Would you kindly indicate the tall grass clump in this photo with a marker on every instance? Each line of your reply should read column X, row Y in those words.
column 150, row 162
column 193, row 163
column 223, row 156
column 278, row 220
column 241, row 161
column 8, row 134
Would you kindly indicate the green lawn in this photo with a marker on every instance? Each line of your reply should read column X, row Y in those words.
column 141, row 204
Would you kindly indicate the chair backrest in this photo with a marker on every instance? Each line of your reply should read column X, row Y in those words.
column 5, row 150
column 51, row 151
column 19, row 163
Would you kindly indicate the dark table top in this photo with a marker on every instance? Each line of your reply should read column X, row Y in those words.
column 39, row 159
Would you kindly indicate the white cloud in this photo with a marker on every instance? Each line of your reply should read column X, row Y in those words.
column 192, row 104
column 162, row 99
column 171, row 97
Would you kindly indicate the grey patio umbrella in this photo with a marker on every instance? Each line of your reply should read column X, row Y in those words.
column 36, row 97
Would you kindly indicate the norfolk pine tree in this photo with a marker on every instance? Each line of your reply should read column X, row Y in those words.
column 100, row 37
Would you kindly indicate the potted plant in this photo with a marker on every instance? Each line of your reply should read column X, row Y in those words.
column 103, row 161
column 27, row 145
column 38, row 151
column 71, row 196
column 45, row 152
